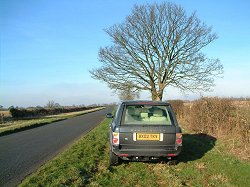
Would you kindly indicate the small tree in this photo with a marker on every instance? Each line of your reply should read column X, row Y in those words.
column 56, row 105
column 128, row 93
column 52, row 104
column 11, row 107
column 158, row 46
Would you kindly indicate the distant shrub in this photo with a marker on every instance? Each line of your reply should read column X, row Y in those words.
column 36, row 112
column 15, row 112
column 21, row 113
column 40, row 112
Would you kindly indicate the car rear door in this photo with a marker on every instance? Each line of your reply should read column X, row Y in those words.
column 146, row 134
column 143, row 136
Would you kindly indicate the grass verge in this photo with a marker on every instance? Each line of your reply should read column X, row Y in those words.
column 77, row 165
column 86, row 164
column 24, row 124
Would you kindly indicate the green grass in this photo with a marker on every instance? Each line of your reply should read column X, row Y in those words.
column 20, row 125
column 77, row 165
column 86, row 164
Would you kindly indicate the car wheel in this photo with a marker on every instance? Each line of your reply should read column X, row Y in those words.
column 173, row 161
column 114, row 160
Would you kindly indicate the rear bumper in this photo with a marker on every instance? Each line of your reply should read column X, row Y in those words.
column 174, row 151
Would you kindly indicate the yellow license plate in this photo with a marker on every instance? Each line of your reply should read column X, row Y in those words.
column 140, row 136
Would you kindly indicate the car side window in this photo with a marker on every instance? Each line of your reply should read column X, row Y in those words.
column 116, row 114
column 115, row 118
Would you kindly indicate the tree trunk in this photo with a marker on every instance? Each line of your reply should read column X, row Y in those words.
column 153, row 95
column 156, row 96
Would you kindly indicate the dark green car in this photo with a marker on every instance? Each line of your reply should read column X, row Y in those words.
column 144, row 131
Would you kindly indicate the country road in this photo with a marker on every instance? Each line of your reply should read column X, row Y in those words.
column 24, row 152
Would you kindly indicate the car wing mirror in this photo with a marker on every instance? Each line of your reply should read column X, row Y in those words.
column 109, row 115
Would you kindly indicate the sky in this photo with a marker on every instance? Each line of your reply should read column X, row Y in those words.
column 47, row 49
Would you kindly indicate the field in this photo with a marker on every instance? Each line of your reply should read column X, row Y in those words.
column 6, row 113
column 23, row 124
column 85, row 163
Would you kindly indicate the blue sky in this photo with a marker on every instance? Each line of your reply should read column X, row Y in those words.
column 48, row 47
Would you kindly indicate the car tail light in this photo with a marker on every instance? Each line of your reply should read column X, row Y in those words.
column 171, row 154
column 116, row 138
column 123, row 155
column 178, row 138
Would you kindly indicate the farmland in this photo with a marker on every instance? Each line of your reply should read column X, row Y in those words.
column 205, row 161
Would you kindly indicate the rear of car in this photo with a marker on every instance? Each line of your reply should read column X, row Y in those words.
column 144, row 130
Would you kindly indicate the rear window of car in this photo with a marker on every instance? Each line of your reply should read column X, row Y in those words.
column 147, row 115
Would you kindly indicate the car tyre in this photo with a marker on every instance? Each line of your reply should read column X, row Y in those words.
column 114, row 160
column 173, row 161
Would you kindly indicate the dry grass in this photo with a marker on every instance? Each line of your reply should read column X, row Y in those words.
column 211, row 116
column 6, row 113
column 226, row 119
column 244, row 104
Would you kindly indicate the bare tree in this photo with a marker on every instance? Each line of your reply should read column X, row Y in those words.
column 157, row 46
column 52, row 104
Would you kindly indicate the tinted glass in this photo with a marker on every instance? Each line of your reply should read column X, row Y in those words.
column 147, row 115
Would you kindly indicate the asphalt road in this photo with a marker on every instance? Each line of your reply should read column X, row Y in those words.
column 24, row 152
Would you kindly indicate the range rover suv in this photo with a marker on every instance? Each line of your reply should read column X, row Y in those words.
column 144, row 131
